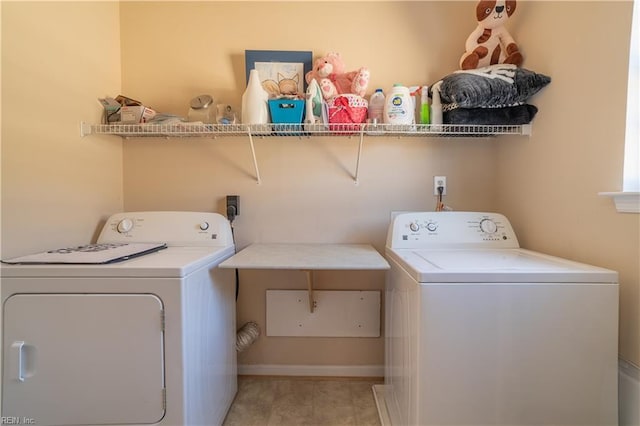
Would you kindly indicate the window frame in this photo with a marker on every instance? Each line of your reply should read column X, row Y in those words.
column 628, row 200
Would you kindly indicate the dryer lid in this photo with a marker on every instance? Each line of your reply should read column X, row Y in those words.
column 89, row 254
column 173, row 262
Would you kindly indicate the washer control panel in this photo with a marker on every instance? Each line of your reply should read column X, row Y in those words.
column 451, row 229
column 173, row 228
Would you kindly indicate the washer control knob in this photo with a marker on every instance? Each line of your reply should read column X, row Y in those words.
column 414, row 227
column 488, row 226
column 431, row 227
column 125, row 225
column 204, row 226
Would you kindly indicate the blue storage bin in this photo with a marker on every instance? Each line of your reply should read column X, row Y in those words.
column 289, row 112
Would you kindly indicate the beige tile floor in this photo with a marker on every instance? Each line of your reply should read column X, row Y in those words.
column 289, row 401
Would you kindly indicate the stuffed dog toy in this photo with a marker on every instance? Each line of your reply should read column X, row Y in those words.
column 490, row 43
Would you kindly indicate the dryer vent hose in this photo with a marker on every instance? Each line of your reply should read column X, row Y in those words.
column 247, row 334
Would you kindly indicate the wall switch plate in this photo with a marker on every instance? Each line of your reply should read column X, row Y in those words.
column 439, row 181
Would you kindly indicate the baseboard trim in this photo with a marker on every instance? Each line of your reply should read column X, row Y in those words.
column 311, row 370
column 628, row 368
column 628, row 393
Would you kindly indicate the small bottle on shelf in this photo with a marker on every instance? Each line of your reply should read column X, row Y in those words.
column 376, row 107
column 425, row 116
column 436, row 105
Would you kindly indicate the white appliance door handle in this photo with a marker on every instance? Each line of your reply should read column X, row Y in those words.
column 16, row 364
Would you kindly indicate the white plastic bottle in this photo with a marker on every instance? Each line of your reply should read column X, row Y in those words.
column 436, row 105
column 399, row 107
column 255, row 109
column 376, row 107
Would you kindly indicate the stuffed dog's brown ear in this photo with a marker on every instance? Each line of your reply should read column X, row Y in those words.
column 484, row 8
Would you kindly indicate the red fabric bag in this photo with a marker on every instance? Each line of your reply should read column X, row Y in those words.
column 347, row 109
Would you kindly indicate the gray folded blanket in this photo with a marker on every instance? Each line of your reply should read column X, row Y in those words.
column 495, row 86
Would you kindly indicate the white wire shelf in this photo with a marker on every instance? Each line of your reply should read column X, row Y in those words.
column 191, row 130
column 302, row 130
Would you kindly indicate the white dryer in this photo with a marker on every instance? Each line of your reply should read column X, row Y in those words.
column 148, row 340
column 482, row 332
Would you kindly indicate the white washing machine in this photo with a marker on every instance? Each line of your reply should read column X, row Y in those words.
column 482, row 332
column 148, row 340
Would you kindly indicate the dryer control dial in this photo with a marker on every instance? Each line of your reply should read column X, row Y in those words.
column 125, row 225
column 488, row 226
column 432, row 226
column 414, row 226
column 204, row 226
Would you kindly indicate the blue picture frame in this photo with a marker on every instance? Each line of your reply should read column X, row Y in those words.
column 276, row 66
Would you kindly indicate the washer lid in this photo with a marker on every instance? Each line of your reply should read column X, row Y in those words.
column 496, row 265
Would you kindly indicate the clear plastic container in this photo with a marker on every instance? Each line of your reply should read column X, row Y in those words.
column 376, row 107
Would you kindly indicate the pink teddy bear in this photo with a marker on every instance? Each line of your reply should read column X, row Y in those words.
column 333, row 80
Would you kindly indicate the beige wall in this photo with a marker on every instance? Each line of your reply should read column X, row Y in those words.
column 307, row 192
column 55, row 186
column 69, row 53
column 57, row 58
column 549, row 184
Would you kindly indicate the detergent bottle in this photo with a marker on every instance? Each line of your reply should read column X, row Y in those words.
column 399, row 107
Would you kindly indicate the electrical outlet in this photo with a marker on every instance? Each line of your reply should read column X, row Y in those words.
column 233, row 206
column 439, row 181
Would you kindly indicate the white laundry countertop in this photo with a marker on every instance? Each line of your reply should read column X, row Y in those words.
column 307, row 257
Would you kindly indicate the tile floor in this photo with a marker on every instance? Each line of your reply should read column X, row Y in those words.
column 289, row 401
